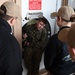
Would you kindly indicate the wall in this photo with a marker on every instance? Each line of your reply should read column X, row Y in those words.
column 71, row 3
column 48, row 6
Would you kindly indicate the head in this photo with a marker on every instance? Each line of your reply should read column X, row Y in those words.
column 40, row 23
column 71, row 40
column 63, row 16
column 10, row 12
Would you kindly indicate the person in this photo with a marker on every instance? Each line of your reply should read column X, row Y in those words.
column 10, row 52
column 33, row 44
column 57, row 59
column 70, row 39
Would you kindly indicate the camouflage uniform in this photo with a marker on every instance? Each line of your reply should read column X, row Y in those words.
column 33, row 53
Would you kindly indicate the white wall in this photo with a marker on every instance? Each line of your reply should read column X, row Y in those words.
column 48, row 6
column 71, row 3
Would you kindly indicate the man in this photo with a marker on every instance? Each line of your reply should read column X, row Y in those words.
column 10, row 52
column 33, row 45
column 57, row 59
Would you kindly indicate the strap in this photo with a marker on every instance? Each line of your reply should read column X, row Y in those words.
column 63, row 28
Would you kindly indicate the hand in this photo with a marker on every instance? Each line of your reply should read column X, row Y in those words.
column 25, row 35
column 27, row 43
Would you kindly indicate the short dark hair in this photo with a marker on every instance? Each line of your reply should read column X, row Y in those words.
column 43, row 20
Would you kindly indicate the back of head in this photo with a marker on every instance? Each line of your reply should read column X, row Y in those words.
column 43, row 20
column 10, row 8
column 65, row 12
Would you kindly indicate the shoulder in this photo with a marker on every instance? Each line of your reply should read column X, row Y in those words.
column 54, row 39
column 43, row 30
column 55, row 36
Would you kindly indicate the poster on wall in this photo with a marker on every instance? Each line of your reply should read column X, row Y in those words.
column 35, row 4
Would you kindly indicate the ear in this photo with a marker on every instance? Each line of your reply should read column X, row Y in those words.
column 60, row 19
column 11, row 20
column 73, row 50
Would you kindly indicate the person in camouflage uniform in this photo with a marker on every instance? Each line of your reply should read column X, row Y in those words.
column 33, row 45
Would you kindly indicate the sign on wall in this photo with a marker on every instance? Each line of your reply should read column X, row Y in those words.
column 35, row 4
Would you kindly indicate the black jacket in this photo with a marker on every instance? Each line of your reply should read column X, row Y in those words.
column 10, row 53
column 57, row 60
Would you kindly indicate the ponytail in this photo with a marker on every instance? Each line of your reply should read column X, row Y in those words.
column 72, row 19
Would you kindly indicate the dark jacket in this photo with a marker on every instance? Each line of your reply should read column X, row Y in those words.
column 10, row 53
column 57, row 60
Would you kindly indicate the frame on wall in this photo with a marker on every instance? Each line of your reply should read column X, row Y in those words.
column 64, row 2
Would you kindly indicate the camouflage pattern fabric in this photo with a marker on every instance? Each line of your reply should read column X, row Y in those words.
column 33, row 53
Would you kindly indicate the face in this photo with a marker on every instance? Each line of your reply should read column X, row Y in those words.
column 40, row 25
column 12, row 21
column 72, row 52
